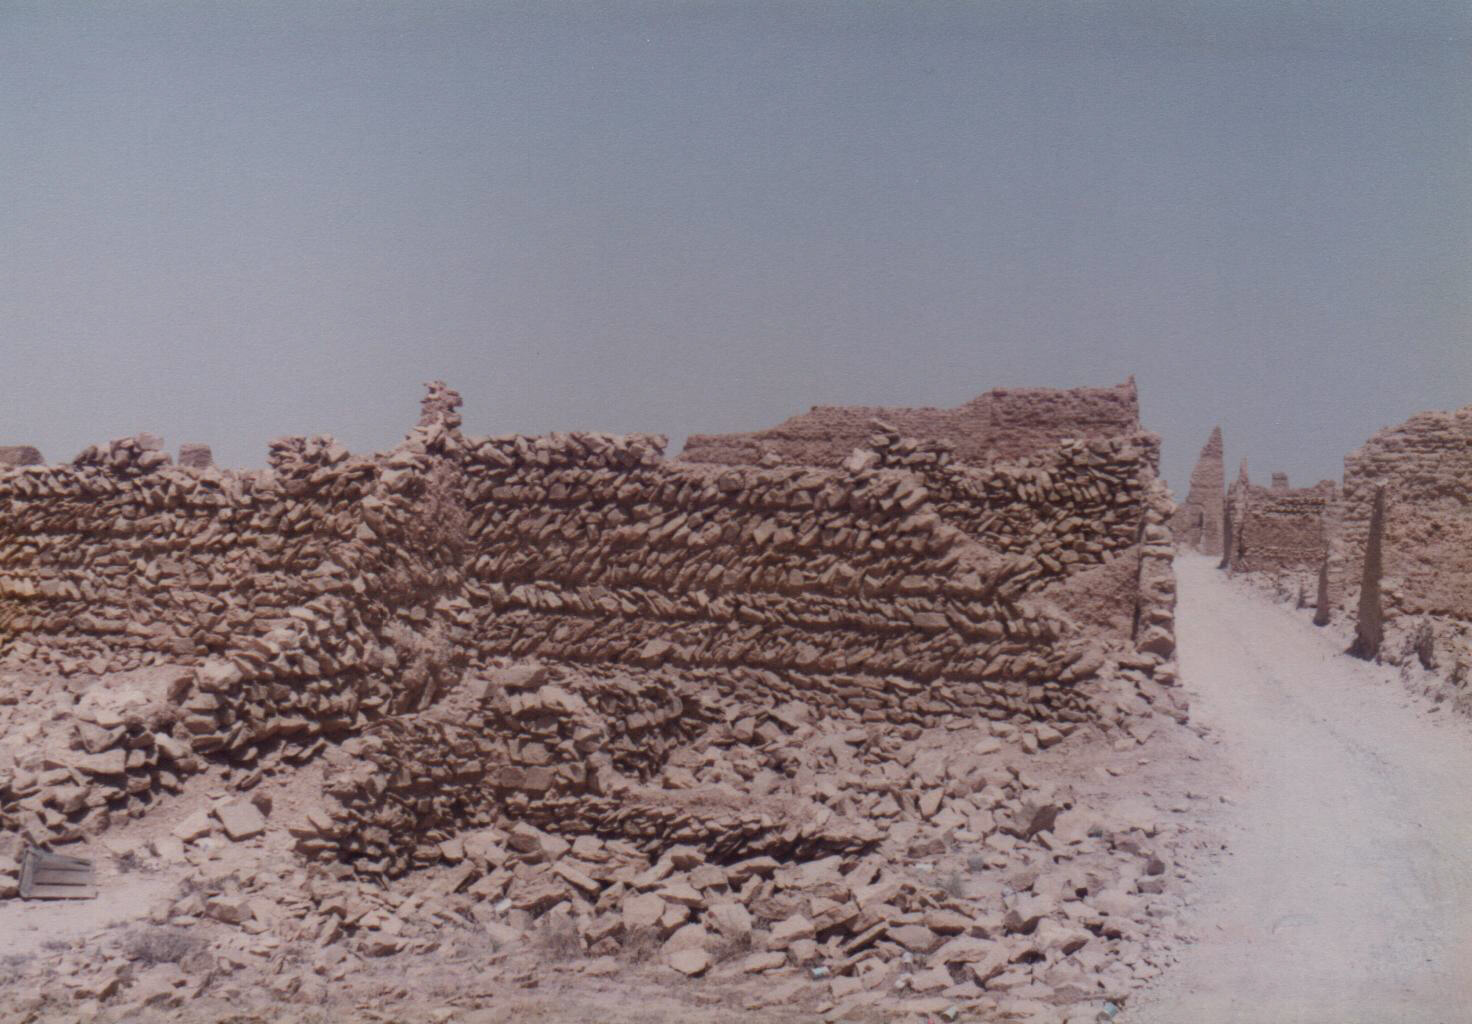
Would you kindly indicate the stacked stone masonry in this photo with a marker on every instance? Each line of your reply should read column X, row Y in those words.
column 1423, row 470
column 334, row 596
column 1280, row 531
column 1006, row 423
column 20, row 455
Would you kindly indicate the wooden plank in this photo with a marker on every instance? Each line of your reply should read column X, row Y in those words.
column 62, row 892
column 51, row 876
column 54, row 876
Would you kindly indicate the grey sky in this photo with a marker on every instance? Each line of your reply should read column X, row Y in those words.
column 226, row 222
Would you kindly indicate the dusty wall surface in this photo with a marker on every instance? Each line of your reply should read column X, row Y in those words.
column 1198, row 523
column 1281, row 532
column 1006, row 423
column 1424, row 468
column 331, row 593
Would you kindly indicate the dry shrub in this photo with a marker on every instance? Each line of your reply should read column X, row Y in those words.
column 557, row 938
column 729, row 948
column 642, row 946
column 1423, row 645
column 151, row 946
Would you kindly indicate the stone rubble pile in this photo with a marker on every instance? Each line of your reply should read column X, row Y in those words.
column 116, row 754
column 984, row 886
column 562, row 684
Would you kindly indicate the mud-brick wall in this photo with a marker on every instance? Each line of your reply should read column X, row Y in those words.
column 1000, row 424
column 1280, row 530
column 831, row 581
column 1423, row 468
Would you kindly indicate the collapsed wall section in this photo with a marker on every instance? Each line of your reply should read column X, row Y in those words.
column 564, row 750
column 1005, row 423
column 1423, row 471
column 333, row 596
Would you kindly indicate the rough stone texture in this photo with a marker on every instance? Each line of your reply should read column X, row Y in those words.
column 20, row 455
column 1281, row 533
column 196, row 456
column 1198, row 523
column 1423, row 468
column 1369, row 623
column 335, row 596
column 1006, row 423
column 563, row 695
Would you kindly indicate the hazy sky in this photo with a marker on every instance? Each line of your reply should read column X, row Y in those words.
column 225, row 222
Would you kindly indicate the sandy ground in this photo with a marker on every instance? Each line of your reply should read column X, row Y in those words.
column 1313, row 816
column 1346, row 893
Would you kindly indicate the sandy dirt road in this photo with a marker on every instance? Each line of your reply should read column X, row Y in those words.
column 1346, row 892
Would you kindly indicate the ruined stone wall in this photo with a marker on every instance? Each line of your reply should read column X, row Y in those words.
column 1198, row 522
column 331, row 593
column 1064, row 509
column 1423, row 468
column 565, row 750
column 1282, row 534
column 122, row 559
column 841, row 585
column 303, row 594
column 20, row 455
column 1006, row 423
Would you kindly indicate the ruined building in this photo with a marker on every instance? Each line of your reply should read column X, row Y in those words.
column 19, row 455
column 1006, row 423
column 1407, row 569
column 1198, row 521
column 477, row 628
column 1279, row 528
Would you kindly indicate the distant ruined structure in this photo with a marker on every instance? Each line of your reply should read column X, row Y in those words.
column 1391, row 549
column 20, row 455
column 1279, row 528
column 1006, row 423
column 1198, row 522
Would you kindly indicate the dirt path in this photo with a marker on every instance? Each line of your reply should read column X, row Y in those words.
column 1346, row 894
